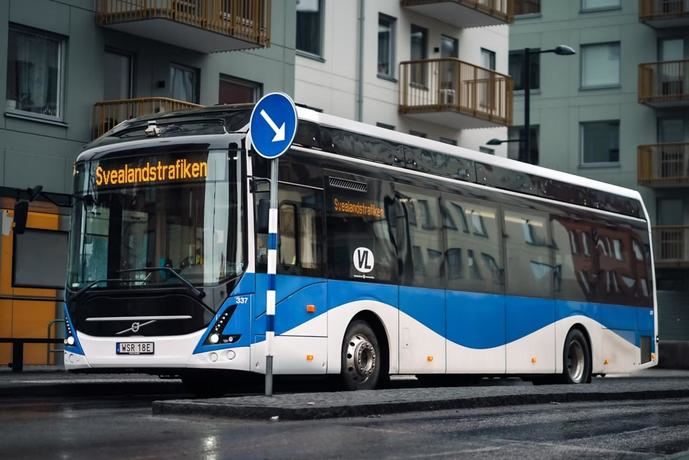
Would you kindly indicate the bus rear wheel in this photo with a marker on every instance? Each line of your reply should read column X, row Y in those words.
column 361, row 358
column 576, row 359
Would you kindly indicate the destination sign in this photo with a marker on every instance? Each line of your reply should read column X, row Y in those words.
column 152, row 172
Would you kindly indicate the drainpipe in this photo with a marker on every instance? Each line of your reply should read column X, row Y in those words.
column 360, row 63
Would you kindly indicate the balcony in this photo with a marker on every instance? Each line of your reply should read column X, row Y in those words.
column 664, row 84
column 664, row 14
column 455, row 94
column 664, row 165
column 671, row 246
column 464, row 13
column 107, row 114
column 202, row 25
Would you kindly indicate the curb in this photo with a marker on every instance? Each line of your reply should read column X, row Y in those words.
column 309, row 412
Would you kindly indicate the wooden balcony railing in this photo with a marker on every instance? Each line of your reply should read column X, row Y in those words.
column 662, row 9
column 664, row 83
column 499, row 9
column 107, row 114
column 438, row 85
column 527, row 7
column 671, row 245
column 663, row 164
column 247, row 20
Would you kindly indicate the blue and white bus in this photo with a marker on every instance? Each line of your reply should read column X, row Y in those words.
column 397, row 255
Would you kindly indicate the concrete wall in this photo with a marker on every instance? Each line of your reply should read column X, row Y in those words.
column 330, row 83
column 39, row 152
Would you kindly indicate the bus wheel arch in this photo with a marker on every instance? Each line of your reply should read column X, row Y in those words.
column 577, row 356
column 365, row 339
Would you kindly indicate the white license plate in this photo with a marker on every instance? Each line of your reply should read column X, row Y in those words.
column 134, row 348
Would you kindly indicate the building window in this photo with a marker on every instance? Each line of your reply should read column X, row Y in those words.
column 184, row 83
column 487, row 59
column 419, row 52
column 600, row 142
column 35, row 66
column 517, row 150
column 118, row 76
column 527, row 7
column 385, row 125
column 236, row 91
column 517, row 70
column 386, row 46
column 483, row 149
column 600, row 65
column 418, row 133
column 588, row 5
column 310, row 26
column 449, row 47
column 447, row 140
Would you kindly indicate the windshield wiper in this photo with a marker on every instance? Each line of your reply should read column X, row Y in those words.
column 196, row 291
column 94, row 283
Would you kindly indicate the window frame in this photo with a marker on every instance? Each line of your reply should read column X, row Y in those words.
column 598, row 9
column 584, row 87
column 131, row 57
column 392, row 24
column 61, row 65
column 492, row 58
column 421, row 74
column 321, row 42
column 597, row 164
column 256, row 86
column 535, row 61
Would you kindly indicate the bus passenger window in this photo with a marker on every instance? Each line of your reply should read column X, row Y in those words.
column 473, row 258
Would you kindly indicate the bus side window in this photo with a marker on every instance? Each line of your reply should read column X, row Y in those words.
column 473, row 256
column 300, row 227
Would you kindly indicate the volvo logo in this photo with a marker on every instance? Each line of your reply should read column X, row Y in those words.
column 136, row 326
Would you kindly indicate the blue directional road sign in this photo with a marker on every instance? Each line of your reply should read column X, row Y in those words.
column 273, row 125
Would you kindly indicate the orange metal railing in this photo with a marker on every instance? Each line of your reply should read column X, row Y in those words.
column 671, row 244
column 501, row 9
column 108, row 114
column 438, row 85
column 663, row 164
column 247, row 20
column 664, row 82
column 662, row 9
column 527, row 7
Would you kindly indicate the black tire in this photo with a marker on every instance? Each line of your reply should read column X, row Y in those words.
column 362, row 358
column 576, row 359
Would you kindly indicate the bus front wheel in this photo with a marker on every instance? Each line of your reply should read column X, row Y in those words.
column 361, row 357
column 576, row 359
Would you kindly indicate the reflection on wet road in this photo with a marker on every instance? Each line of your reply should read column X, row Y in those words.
column 124, row 428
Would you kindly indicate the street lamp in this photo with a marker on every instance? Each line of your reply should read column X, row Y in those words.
column 561, row 50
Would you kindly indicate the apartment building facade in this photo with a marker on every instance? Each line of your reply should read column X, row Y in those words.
column 436, row 69
column 72, row 69
column 616, row 112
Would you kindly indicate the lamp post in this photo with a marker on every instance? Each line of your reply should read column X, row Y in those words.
column 561, row 50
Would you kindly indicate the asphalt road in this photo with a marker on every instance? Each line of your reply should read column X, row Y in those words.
column 125, row 428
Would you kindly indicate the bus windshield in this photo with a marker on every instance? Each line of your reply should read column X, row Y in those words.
column 136, row 218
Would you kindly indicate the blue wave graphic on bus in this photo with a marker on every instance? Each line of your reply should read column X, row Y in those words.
column 470, row 319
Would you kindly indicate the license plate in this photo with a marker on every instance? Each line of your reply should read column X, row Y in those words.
column 134, row 348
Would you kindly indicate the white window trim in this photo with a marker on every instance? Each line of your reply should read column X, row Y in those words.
column 392, row 22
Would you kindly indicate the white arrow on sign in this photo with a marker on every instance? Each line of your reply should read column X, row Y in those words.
column 279, row 132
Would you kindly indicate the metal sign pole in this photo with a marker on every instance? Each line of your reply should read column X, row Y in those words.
column 272, row 266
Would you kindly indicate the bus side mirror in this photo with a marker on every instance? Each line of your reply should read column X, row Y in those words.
column 21, row 214
column 262, row 216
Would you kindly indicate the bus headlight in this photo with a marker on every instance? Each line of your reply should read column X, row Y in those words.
column 216, row 335
column 69, row 341
column 214, row 338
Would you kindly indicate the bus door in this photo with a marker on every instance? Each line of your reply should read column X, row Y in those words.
column 32, row 278
column 301, row 304
column 422, row 283
column 475, row 285
column 530, row 305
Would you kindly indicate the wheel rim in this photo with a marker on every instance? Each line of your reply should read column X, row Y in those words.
column 360, row 357
column 576, row 361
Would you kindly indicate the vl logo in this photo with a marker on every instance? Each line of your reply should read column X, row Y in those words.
column 363, row 260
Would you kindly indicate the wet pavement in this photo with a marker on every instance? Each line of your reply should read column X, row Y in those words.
column 125, row 428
